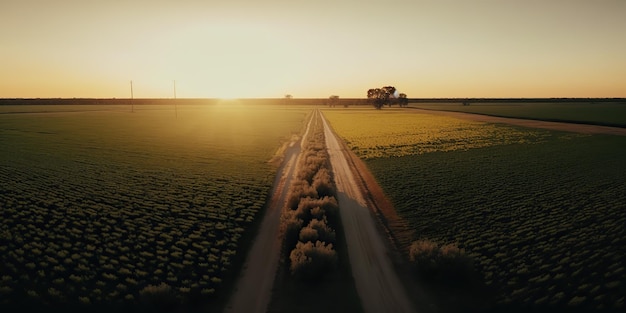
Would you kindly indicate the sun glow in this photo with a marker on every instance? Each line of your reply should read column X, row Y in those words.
column 227, row 60
column 244, row 49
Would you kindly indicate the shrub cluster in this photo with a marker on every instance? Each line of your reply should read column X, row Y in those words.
column 311, row 210
column 444, row 263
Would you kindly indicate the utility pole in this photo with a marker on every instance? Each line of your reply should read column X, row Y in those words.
column 132, row 104
column 175, row 106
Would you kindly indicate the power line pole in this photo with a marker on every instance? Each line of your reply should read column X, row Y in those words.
column 175, row 106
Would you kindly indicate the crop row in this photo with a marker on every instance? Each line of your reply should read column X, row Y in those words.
column 311, row 210
column 543, row 222
column 90, row 249
column 101, row 211
column 541, row 217
column 394, row 133
column 610, row 113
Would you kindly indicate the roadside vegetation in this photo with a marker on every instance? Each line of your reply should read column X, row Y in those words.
column 311, row 212
column 314, row 274
column 539, row 220
column 104, row 210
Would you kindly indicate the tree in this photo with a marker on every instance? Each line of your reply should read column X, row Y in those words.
column 391, row 94
column 403, row 100
column 377, row 97
column 381, row 96
column 332, row 101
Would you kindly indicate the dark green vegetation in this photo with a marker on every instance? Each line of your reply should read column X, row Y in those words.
column 434, row 262
column 112, row 209
column 543, row 222
column 608, row 113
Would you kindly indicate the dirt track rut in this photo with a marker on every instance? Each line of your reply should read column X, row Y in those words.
column 253, row 289
column 376, row 281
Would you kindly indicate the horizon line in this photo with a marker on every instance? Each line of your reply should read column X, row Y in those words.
column 313, row 98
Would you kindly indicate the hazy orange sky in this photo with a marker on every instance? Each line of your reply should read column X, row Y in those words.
column 257, row 48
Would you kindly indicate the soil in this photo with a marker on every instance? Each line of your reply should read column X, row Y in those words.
column 376, row 276
column 253, row 289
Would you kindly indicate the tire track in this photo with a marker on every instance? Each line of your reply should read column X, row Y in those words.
column 376, row 281
column 253, row 289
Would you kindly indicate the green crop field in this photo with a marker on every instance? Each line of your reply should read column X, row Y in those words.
column 103, row 206
column 600, row 113
column 543, row 218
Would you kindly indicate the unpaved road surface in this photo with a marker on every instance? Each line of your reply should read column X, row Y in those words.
column 254, row 287
column 376, row 281
column 559, row 126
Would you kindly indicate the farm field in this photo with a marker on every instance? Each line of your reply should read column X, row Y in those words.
column 112, row 209
column 398, row 132
column 599, row 113
column 542, row 215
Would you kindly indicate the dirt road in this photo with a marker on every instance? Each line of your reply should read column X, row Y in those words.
column 376, row 281
column 559, row 126
column 254, row 287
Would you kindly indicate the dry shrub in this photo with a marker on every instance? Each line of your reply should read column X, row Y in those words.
column 306, row 205
column 445, row 263
column 308, row 234
column 319, row 145
column 311, row 202
column 291, row 229
column 324, row 232
column 318, row 213
column 318, row 230
column 310, row 163
column 310, row 168
column 299, row 189
column 423, row 251
column 315, row 143
column 331, row 207
column 323, row 183
column 311, row 261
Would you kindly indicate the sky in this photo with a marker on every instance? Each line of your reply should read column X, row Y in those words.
column 312, row 49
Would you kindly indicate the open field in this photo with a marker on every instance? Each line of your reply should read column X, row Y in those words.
column 114, row 208
column 597, row 113
column 541, row 217
column 396, row 132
